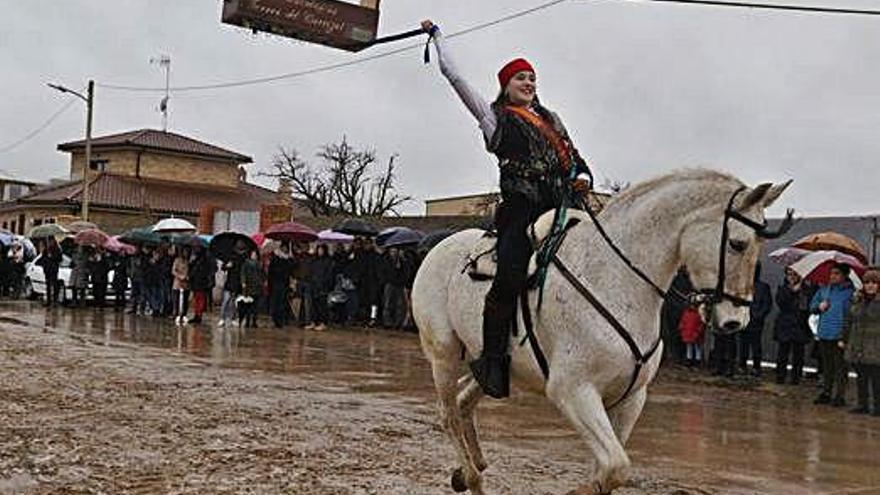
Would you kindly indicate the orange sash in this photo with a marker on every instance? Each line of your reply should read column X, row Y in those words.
column 560, row 145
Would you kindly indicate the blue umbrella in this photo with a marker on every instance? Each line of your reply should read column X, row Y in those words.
column 403, row 236
column 6, row 237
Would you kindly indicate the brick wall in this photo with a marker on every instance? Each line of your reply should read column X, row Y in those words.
column 161, row 166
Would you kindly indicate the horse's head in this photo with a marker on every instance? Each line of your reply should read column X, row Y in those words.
column 721, row 246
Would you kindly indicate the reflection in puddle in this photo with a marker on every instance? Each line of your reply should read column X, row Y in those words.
column 771, row 440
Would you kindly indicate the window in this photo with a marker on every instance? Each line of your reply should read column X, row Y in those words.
column 99, row 165
column 5, row 225
column 12, row 226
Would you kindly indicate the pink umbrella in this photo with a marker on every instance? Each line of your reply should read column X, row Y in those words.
column 788, row 255
column 817, row 266
column 114, row 245
column 334, row 237
column 292, row 232
column 91, row 237
column 259, row 238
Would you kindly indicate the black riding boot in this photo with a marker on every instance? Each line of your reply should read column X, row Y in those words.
column 492, row 369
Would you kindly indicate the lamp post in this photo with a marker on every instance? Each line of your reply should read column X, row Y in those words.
column 89, row 98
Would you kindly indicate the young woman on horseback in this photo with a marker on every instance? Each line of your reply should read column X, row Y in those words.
column 536, row 158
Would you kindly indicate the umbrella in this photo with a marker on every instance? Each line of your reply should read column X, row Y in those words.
column 433, row 238
column 356, row 227
column 401, row 236
column 30, row 251
column 816, row 266
column 6, row 237
column 834, row 242
column 47, row 230
column 91, row 237
column 383, row 235
column 788, row 255
column 291, row 232
column 80, row 226
column 141, row 237
column 224, row 245
column 174, row 226
column 188, row 240
column 114, row 245
column 334, row 237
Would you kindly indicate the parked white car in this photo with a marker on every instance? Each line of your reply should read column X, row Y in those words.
column 35, row 281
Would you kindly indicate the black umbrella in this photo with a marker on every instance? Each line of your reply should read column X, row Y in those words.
column 433, row 238
column 401, row 236
column 356, row 227
column 190, row 240
column 225, row 245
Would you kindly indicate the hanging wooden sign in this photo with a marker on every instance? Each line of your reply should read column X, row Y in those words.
column 327, row 22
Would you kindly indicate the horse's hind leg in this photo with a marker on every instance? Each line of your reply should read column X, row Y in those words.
column 445, row 370
column 584, row 409
column 468, row 399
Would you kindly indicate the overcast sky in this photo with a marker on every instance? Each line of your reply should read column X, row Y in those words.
column 643, row 89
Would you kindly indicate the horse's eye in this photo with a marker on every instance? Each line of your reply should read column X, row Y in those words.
column 738, row 246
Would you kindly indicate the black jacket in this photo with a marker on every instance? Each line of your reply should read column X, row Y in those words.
column 280, row 270
column 200, row 276
column 794, row 311
column 762, row 303
column 321, row 273
column 233, row 275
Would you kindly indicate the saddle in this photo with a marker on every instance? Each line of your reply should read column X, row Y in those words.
column 482, row 261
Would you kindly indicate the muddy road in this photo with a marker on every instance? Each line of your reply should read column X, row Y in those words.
column 100, row 402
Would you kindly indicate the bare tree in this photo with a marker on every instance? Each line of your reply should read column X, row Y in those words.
column 349, row 181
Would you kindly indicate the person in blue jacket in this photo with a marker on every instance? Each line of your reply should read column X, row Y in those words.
column 831, row 302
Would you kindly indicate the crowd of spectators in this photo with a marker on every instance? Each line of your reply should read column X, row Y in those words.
column 307, row 285
column 838, row 325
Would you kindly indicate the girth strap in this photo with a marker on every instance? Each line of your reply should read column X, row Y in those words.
column 640, row 358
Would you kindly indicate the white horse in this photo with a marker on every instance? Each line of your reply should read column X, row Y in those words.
column 662, row 224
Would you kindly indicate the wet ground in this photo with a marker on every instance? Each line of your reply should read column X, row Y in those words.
column 101, row 402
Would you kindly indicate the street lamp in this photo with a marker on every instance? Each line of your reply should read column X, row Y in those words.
column 89, row 98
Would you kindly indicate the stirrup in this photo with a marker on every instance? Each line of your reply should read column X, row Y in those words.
column 493, row 375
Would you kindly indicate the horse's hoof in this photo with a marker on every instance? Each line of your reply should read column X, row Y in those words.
column 458, row 482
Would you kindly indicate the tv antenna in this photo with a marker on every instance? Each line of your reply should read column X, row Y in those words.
column 164, row 62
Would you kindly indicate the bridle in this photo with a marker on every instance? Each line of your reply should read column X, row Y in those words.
column 719, row 293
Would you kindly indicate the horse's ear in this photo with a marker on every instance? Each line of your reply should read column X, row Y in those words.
column 755, row 196
column 774, row 192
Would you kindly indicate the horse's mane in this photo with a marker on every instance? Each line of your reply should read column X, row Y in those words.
column 719, row 180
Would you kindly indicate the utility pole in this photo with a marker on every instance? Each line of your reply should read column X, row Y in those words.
column 89, row 99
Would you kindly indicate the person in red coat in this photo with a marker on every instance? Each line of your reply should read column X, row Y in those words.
column 691, row 329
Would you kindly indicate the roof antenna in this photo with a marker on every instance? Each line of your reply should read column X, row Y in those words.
column 164, row 62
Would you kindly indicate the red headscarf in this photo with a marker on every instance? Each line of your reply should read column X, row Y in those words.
column 511, row 69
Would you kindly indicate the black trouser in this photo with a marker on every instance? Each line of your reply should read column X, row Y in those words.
column 181, row 302
column 834, row 369
column 278, row 306
column 750, row 344
column 795, row 350
column 514, row 250
column 51, row 276
column 868, row 380
column 724, row 354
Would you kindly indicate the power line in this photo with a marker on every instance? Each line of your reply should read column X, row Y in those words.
column 39, row 129
column 340, row 65
column 773, row 6
column 479, row 27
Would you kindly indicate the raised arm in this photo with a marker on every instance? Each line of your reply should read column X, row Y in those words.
column 475, row 103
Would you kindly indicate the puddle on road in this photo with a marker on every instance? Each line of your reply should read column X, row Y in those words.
column 771, row 440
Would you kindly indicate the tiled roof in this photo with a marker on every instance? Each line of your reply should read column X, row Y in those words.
column 159, row 140
column 125, row 192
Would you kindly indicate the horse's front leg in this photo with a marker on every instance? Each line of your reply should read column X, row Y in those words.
column 583, row 407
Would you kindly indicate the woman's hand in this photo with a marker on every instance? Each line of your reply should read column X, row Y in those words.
column 427, row 26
